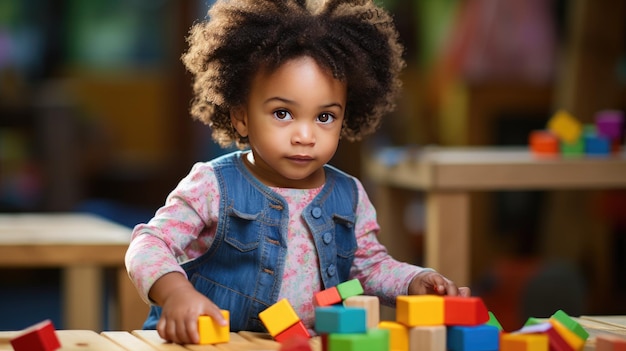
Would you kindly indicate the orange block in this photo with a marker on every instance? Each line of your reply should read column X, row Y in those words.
column 327, row 297
column 464, row 311
column 212, row 333
column 544, row 143
column 610, row 342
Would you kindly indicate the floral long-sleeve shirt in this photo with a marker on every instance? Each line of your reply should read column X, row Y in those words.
column 184, row 229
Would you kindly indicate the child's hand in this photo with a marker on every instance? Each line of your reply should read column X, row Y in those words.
column 434, row 283
column 181, row 306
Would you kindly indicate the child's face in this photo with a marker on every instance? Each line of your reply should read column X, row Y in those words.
column 293, row 120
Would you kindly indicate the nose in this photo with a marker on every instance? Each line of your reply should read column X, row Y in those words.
column 304, row 133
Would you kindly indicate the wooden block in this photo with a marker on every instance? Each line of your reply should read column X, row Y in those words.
column 211, row 332
column 39, row 337
column 420, row 310
column 327, row 297
column 373, row 340
column 524, row 342
column 464, row 311
column 610, row 342
column 371, row 305
column 398, row 335
column 297, row 329
column 573, row 340
column 279, row 317
column 493, row 321
column 340, row 319
column 543, row 143
column 473, row 338
column 565, row 126
column 295, row 343
column 350, row 288
column 430, row 338
column 555, row 340
column 570, row 324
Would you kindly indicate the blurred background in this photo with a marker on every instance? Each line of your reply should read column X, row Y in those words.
column 94, row 118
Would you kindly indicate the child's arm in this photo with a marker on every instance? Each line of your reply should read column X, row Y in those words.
column 181, row 306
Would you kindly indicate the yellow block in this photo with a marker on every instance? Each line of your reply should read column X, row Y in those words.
column 524, row 342
column 565, row 126
column 569, row 336
column 398, row 335
column 419, row 310
column 278, row 317
column 211, row 332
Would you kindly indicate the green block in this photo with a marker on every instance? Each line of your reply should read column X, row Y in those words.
column 576, row 148
column 533, row 321
column 350, row 288
column 571, row 324
column 374, row 340
column 493, row 321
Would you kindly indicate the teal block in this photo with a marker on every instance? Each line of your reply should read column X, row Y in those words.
column 473, row 338
column 571, row 324
column 340, row 319
column 374, row 340
column 350, row 288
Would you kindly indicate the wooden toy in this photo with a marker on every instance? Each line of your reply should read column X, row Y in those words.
column 464, row 311
column 327, row 297
column 350, row 288
column 296, row 343
column 610, row 342
column 371, row 305
column 38, row 337
column 555, row 340
column 473, row 338
column 573, row 340
column 279, row 317
column 610, row 123
column 340, row 319
column 524, row 342
column 570, row 324
column 211, row 332
column 493, row 321
column 420, row 310
column 596, row 144
column 565, row 126
column 431, row 338
column 372, row 340
column 297, row 329
column 543, row 143
column 398, row 335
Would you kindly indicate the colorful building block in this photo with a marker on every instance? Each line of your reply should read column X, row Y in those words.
column 464, row 311
column 211, row 332
column 610, row 342
column 398, row 335
column 596, row 144
column 340, row 319
column 493, row 321
column 570, row 324
column 327, row 297
column 371, row 305
column 610, row 123
column 473, row 338
column 295, row 343
column 279, row 317
column 350, row 288
column 372, row 340
column 555, row 340
column 565, row 126
column 297, row 329
column 573, row 340
column 38, row 337
column 524, row 342
column 574, row 149
column 420, row 310
column 543, row 143
column 431, row 338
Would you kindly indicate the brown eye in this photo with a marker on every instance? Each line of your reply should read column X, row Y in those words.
column 325, row 118
column 282, row 114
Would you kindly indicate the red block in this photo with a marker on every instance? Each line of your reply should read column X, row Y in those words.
column 543, row 143
column 296, row 343
column 39, row 337
column 297, row 329
column 556, row 341
column 327, row 297
column 609, row 342
column 465, row 311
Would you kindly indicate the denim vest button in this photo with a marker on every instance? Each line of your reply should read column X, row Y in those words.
column 331, row 270
column 316, row 212
column 327, row 238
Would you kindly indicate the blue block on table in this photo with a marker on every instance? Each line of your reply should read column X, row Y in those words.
column 473, row 338
column 340, row 319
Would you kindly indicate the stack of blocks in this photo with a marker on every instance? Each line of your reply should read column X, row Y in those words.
column 282, row 322
column 567, row 136
column 559, row 333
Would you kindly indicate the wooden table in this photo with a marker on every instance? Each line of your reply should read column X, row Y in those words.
column 83, row 246
column 448, row 176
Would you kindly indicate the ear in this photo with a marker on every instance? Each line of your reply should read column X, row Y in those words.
column 239, row 120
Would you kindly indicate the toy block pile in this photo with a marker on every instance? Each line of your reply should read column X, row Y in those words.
column 559, row 333
column 567, row 136
column 282, row 322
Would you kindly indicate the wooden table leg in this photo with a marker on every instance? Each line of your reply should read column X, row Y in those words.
column 82, row 297
column 448, row 234
column 132, row 309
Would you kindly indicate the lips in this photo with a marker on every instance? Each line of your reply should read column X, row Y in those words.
column 300, row 158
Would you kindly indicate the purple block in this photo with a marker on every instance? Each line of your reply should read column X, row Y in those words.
column 610, row 123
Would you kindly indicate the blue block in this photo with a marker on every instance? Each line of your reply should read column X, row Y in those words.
column 340, row 319
column 597, row 145
column 482, row 337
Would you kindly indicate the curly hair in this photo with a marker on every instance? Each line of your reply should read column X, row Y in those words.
column 355, row 40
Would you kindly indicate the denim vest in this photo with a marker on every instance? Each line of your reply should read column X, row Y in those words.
column 242, row 270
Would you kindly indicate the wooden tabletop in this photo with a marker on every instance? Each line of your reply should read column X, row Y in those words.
column 61, row 239
column 492, row 168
